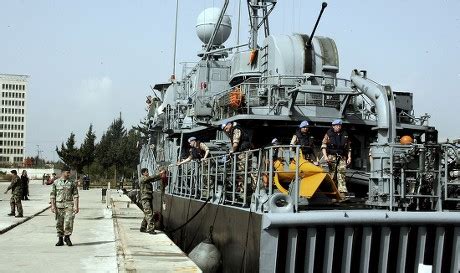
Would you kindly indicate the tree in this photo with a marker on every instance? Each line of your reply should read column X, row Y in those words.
column 132, row 149
column 69, row 154
column 110, row 150
column 102, row 153
column 143, row 129
column 87, row 149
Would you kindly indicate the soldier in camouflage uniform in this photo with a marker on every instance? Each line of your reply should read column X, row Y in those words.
column 146, row 187
column 336, row 148
column 240, row 139
column 16, row 190
column 64, row 203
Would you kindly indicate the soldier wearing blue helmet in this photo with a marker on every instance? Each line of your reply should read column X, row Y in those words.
column 198, row 151
column 240, row 140
column 303, row 138
column 336, row 148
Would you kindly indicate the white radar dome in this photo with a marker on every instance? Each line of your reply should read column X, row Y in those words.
column 206, row 22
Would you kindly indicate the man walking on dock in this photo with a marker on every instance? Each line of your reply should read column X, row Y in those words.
column 64, row 203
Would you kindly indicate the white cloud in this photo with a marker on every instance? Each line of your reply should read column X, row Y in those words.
column 95, row 90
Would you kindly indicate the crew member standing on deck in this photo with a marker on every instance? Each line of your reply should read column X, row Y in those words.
column 146, row 188
column 336, row 149
column 16, row 190
column 198, row 151
column 303, row 138
column 65, row 204
column 240, row 140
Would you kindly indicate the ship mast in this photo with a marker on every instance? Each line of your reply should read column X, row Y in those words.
column 266, row 6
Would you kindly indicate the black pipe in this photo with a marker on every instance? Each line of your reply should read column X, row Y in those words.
column 324, row 5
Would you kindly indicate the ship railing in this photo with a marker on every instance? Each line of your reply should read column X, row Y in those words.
column 233, row 178
column 422, row 120
column 148, row 159
column 175, row 117
column 324, row 81
column 243, row 97
column 421, row 175
column 360, row 241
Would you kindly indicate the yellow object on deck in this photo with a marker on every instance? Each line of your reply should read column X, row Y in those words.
column 312, row 178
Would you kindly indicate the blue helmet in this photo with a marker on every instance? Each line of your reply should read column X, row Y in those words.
column 337, row 122
column 304, row 124
column 225, row 124
column 190, row 139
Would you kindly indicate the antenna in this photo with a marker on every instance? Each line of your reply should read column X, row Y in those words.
column 323, row 6
column 216, row 28
column 256, row 20
column 239, row 23
column 173, row 76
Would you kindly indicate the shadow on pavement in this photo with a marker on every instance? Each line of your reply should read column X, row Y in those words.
column 93, row 243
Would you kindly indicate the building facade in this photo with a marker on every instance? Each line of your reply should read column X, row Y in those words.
column 13, row 118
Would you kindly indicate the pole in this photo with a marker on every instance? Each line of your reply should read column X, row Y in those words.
column 239, row 23
column 173, row 76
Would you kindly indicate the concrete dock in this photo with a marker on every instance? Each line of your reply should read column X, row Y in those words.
column 105, row 239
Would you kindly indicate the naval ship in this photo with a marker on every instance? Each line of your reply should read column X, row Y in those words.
column 266, row 209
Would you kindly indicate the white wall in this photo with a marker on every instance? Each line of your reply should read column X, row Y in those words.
column 33, row 173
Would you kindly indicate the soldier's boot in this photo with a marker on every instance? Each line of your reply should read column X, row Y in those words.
column 60, row 241
column 151, row 231
column 19, row 216
column 142, row 229
column 67, row 240
column 11, row 213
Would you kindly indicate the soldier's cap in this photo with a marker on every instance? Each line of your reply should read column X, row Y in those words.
column 224, row 124
column 65, row 168
column 337, row 122
column 13, row 172
column 190, row 139
column 275, row 141
column 304, row 124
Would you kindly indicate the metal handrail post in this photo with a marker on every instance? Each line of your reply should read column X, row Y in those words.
column 296, row 186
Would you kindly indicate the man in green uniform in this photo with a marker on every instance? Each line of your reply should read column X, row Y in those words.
column 64, row 203
column 16, row 190
column 146, row 188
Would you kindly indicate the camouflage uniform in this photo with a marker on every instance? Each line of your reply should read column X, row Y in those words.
column 146, row 188
column 242, row 141
column 64, row 192
column 337, row 144
column 16, row 190
column 341, row 169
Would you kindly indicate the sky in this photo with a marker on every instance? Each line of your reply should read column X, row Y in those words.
column 89, row 61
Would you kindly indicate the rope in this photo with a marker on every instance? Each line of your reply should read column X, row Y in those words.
column 191, row 218
column 242, row 268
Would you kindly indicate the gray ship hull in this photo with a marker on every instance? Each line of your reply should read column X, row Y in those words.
column 317, row 241
column 236, row 232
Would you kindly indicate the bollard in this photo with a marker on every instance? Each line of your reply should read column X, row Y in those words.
column 107, row 199
column 104, row 195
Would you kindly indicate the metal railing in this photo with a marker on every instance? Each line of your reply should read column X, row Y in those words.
column 233, row 179
column 263, row 94
column 360, row 241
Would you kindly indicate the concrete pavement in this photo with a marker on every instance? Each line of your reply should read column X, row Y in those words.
column 39, row 198
column 102, row 243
